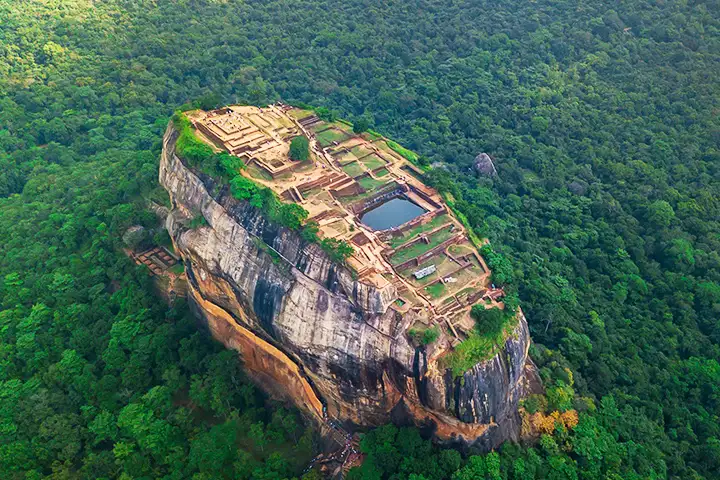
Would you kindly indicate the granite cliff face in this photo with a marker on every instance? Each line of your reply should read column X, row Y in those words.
column 306, row 329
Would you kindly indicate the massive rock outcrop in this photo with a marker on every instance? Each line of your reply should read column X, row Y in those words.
column 308, row 330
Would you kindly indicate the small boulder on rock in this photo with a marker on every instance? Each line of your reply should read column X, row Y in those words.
column 578, row 187
column 484, row 165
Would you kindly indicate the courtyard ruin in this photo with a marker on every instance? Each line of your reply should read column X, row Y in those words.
column 358, row 189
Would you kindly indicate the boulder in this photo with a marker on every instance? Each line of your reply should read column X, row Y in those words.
column 484, row 165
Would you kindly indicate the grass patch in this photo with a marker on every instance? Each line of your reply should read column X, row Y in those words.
column 402, row 151
column 370, row 184
column 419, row 248
column 381, row 173
column 493, row 327
column 300, row 114
column 320, row 127
column 345, row 158
column 353, row 169
column 438, row 261
column 257, row 172
column 177, row 269
column 417, row 230
column 436, row 290
column 459, row 250
column 327, row 137
column 413, row 173
column 373, row 161
column 371, row 135
column 360, row 151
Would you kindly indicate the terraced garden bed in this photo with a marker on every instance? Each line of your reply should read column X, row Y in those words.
column 436, row 290
column 371, row 184
column 345, row 158
column 419, row 248
column 364, row 195
column 360, row 151
column 415, row 231
column 443, row 265
column 257, row 172
column 464, row 293
column 460, row 249
column 465, row 276
column 300, row 114
column 411, row 171
column 327, row 137
column 353, row 169
column 373, row 161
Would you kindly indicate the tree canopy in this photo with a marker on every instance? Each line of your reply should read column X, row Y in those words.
column 299, row 148
column 604, row 219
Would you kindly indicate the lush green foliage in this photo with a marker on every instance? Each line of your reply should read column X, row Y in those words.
column 404, row 152
column 425, row 336
column 602, row 120
column 430, row 335
column 361, row 125
column 200, row 155
column 488, row 321
column 493, row 326
column 500, row 266
column 300, row 148
column 97, row 377
column 290, row 215
column 324, row 113
column 197, row 221
column 591, row 449
column 337, row 250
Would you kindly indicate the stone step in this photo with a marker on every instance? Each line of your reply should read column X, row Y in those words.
column 450, row 308
column 399, row 285
column 341, row 183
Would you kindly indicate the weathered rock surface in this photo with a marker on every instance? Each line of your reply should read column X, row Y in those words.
column 308, row 330
column 484, row 165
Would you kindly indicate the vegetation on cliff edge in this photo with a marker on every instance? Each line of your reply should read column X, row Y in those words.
column 602, row 122
column 227, row 168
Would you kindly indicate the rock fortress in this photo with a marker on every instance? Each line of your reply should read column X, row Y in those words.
column 358, row 342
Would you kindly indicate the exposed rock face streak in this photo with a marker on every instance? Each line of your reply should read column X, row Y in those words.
column 306, row 329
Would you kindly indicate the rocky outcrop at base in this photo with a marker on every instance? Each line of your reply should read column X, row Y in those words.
column 308, row 330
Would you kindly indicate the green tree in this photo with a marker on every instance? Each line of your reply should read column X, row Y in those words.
column 299, row 148
column 361, row 125
column 488, row 321
column 660, row 213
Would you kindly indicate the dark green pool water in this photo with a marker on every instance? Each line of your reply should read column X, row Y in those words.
column 391, row 214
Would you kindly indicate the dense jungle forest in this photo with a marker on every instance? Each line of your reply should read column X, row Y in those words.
column 603, row 122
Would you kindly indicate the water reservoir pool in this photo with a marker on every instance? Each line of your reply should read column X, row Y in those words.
column 391, row 214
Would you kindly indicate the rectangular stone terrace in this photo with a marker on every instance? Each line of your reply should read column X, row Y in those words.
column 360, row 190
